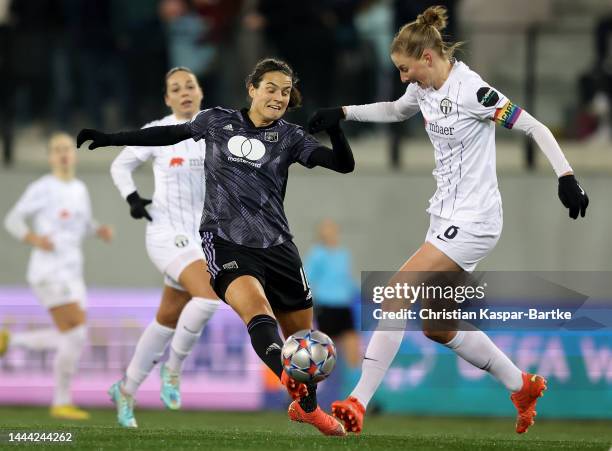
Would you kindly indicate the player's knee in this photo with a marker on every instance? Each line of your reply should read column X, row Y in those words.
column 439, row 336
column 168, row 318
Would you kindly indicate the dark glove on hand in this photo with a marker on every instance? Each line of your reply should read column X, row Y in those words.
column 137, row 206
column 99, row 139
column 324, row 119
column 573, row 196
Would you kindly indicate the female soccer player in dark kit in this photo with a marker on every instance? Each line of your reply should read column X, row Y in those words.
column 253, row 263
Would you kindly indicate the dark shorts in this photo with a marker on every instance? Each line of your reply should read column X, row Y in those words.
column 334, row 321
column 278, row 269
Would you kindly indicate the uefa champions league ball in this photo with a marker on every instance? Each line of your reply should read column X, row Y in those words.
column 308, row 356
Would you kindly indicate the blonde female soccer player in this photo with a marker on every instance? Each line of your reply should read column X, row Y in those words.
column 59, row 210
column 173, row 244
column 460, row 112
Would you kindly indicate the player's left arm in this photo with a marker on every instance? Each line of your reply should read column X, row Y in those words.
column 310, row 153
column 103, row 231
column 571, row 194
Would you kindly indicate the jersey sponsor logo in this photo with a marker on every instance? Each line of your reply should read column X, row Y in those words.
column 196, row 162
column 271, row 137
column 438, row 129
column 181, row 241
column 446, row 106
column 247, row 150
column 231, row 265
column 176, row 162
column 228, row 127
column 487, row 96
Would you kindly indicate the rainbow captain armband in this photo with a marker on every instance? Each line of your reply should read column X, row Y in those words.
column 507, row 115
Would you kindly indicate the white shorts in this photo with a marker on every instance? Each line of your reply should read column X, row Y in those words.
column 171, row 251
column 53, row 293
column 466, row 243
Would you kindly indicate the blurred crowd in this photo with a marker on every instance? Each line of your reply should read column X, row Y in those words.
column 101, row 63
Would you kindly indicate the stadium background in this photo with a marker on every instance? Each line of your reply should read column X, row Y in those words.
column 69, row 64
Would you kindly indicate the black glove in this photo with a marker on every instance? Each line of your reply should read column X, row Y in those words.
column 99, row 139
column 137, row 206
column 573, row 196
column 324, row 119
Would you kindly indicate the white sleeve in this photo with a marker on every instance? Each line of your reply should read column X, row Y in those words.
column 124, row 164
column 28, row 204
column 545, row 141
column 91, row 225
column 403, row 108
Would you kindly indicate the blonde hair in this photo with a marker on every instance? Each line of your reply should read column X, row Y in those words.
column 59, row 135
column 424, row 33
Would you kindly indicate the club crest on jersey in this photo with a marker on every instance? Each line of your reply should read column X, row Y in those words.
column 446, row 106
column 181, row 241
column 271, row 137
column 176, row 162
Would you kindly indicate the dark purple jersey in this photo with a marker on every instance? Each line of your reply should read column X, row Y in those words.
column 246, row 175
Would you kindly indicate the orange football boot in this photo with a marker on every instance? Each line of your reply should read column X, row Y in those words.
column 324, row 422
column 525, row 400
column 351, row 412
column 296, row 389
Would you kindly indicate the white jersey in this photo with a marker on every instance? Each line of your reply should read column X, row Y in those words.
column 61, row 211
column 178, row 199
column 460, row 121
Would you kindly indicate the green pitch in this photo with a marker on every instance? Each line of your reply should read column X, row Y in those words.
column 270, row 431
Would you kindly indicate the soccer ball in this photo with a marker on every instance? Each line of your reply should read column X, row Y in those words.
column 308, row 356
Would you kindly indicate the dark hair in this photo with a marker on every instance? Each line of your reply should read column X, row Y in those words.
column 173, row 71
column 275, row 65
column 424, row 33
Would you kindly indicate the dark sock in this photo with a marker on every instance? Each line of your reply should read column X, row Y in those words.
column 309, row 403
column 266, row 341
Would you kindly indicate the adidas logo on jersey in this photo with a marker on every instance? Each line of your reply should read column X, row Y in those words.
column 228, row 127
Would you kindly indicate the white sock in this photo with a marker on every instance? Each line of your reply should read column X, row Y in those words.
column 149, row 350
column 66, row 361
column 477, row 348
column 381, row 351
column 193, row 318
column 36, row 340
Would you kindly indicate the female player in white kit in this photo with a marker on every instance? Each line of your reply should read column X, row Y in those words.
column 59, row 209
column 460, row 112
column 173, row 244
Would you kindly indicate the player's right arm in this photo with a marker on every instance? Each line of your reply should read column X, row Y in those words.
column 403, row 108
column 31, row 202
column 121, row 170
column 150, row 136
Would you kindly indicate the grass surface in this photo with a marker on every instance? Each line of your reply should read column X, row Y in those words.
column 272, row 431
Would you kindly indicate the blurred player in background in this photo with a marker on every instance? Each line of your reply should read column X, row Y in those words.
column 460, row 112
column 254, row 264
column 328, row 267
column 59, row 209
column 173, row 244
